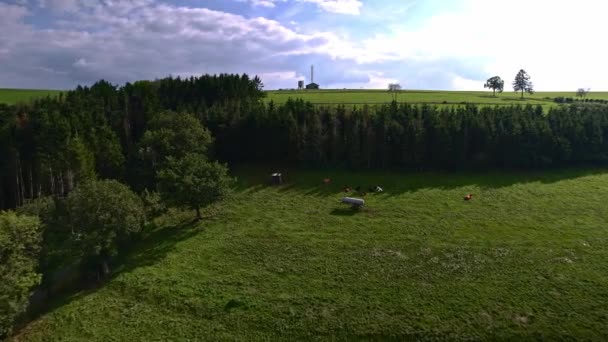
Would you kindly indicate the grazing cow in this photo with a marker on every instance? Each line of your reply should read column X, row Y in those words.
column 468, row 197
column 326, row 180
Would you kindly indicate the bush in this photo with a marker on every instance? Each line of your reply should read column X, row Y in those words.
column 20, row 239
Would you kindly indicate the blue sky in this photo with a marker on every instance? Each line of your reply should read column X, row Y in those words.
column 421, row 44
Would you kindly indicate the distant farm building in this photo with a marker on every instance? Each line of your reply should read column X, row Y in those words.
column 300, row 84
column 312, row 84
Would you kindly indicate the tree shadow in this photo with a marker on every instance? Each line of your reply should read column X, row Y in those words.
column 153, row 244
column 308, row 182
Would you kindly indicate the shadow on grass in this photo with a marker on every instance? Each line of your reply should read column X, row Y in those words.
column 345, row 212
column 308, row 182
column 155, row 242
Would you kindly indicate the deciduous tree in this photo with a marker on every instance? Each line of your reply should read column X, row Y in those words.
column 20, row 238
column 102, row 214
column 495, row 83
column 582, row 92
column 193, row 182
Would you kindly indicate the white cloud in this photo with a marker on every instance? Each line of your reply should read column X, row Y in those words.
column 379, row 81
column 557, row 42
column 128, row 41
column 60, row 5
column 263, row 3
column 338, row 6
column 142, row 39
column 461, row 83
column 281, row 79
column 81, row 63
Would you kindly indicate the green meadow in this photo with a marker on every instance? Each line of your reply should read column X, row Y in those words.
column 524, row 259
column 13, row 96
column 333, row 96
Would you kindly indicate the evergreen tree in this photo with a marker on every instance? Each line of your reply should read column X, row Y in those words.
column 522, row 83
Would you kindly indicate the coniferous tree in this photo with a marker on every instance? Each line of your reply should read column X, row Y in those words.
column 522, row 83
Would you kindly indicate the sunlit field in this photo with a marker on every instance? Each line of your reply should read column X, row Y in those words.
column 525, row 258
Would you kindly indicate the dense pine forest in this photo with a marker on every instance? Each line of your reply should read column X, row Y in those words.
column 52, row 144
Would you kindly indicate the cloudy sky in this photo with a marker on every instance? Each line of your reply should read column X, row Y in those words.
column 421, row 44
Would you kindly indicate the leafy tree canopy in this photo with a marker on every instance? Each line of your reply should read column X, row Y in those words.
column 102, row 214
column 173, row 134
column 20, row 239
column 193, row 182
column 495, row 83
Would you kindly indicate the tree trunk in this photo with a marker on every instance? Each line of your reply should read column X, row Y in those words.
column 31, row 180
column 522, row 93
column 52, row 181
column 494, row 90
column 21, row 182
column 61, row 187
column 198, row 213
column 69, row 180
column 18, row 180
column 105, row 268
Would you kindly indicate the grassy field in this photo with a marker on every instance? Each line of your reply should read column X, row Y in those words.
column 12, row 96
column 525, row 259
column 336, row 96
column 423, row 96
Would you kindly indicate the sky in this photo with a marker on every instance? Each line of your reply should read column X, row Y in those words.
column 420, row 44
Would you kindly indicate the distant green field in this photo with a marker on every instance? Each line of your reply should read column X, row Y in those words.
column 330, row 96
column 526, row 259
column 12, row 96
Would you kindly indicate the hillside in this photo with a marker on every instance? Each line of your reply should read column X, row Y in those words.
column 12, row 96
column 334, row 96
column 524, row 259
column 369, row 96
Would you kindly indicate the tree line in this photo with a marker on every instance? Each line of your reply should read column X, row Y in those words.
column 111, row 132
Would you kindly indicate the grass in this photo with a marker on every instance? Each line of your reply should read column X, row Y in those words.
column 525, row 259
column 12, row 96
column 423, row 96
column 352, row 96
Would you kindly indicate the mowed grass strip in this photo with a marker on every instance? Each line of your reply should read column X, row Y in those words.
column 13, row 96
column 526, row 258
